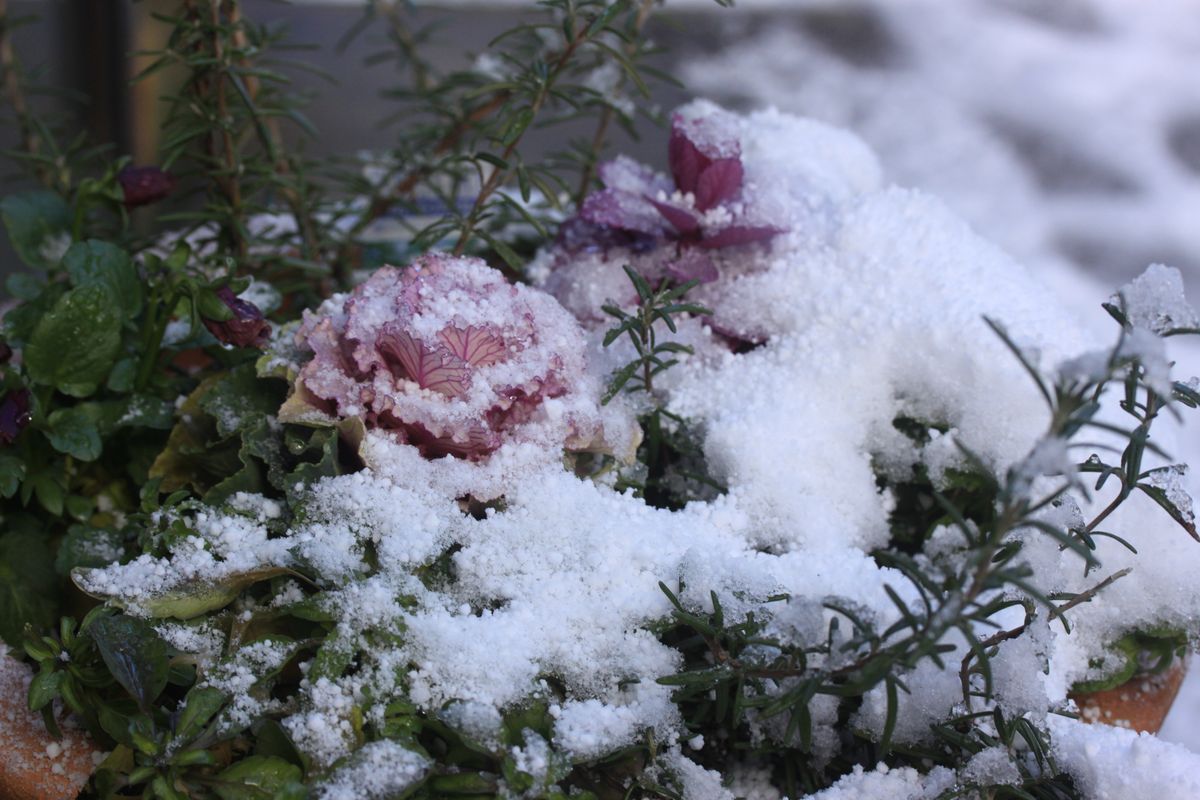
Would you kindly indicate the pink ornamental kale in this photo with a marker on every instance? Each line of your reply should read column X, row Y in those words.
column 445, row 355
column 698, row 210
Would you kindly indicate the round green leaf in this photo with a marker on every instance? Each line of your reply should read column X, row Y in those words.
column 74, row 345
column 135, row 655
column 73, row 431
column 95, row 262
column 256, row 778
column 38, row 225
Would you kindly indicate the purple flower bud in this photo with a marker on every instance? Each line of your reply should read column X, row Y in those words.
column 246, row 328
column 14, row 415
column 145, row 185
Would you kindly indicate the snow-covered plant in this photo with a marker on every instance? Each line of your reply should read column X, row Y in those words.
column 449, row 357
column 888, row 507
column 673, row 223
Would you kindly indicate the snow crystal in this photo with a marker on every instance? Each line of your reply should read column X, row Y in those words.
column 378, row 770
column 883, row 783
column 237, row 676
column 1170, row 481
column 751, row 781
column 696, row 782
column 220, row 548
column 202, row 639
column 933, row 694
column 1112, row 762
column 992, row 766
column 1154, row 300
column 324, row 730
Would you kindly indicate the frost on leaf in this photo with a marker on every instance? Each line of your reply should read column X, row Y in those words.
column 1164, row 486
column 1155, row 301
column 447, row 356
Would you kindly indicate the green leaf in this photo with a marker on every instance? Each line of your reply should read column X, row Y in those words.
column 12, row 472
column 256, row 778
column 192, row 599
column 73, row 347
column 202, row 703
column 1170, row 502
column 147, row 411
column 514, row 128
column 239, row 399
column 72, row 431
column 28, row 587
column 94, row 262
column 49, row 491
column 123, row 375
column 332, row 660
column 23, row 286
column 271, row 739
column 504, row 251
column 85, row 546
column 38, row 225
column 44, row 688
column 20, row 321
column 210, row 306
column 80, row 507
column 135, row 655
column 323, row 446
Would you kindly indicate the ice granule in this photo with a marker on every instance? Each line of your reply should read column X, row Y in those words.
column 1155, row 301
column 992, row 766
column 378, row 770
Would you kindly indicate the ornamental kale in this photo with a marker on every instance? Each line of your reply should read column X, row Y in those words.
column 449, row 357
column 673, row 224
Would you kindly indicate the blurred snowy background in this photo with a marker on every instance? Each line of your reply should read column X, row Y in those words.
column 1068, row 131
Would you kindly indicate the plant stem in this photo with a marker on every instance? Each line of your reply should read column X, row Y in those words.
column 153, row 330
column 407, row 43
column 31, row 142
column 499, row 175
column 606, row 117
column 272, row 141
column 381, row 203
column 221, row 142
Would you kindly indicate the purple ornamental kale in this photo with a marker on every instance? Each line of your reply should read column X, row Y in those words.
column 246, row 328
column 699, row 209
column 444, row 355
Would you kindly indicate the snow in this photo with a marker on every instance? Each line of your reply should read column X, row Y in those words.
column 1112, row 763
column 378, row 770
column 870, row 307
column 883, row 783
column 1155, row 301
